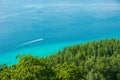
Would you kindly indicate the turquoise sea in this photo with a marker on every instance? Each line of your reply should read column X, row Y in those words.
column 42, row 28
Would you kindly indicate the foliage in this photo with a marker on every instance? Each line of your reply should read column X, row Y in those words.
column 91, row 61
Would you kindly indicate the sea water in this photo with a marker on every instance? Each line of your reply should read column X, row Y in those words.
column 42, row 29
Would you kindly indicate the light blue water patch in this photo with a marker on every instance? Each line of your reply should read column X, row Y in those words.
column 39, row 51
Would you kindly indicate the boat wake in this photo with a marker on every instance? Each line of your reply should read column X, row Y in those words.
column 32, row 41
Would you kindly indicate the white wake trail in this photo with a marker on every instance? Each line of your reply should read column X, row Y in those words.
column 33, row 41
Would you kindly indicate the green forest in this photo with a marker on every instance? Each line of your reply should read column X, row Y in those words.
column 96, row 60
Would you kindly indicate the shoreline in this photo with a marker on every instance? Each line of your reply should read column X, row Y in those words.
column 9, row 58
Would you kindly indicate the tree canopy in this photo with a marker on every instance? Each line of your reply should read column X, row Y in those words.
column 97, row 60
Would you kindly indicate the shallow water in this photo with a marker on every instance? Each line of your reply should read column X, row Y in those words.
column 43, row 29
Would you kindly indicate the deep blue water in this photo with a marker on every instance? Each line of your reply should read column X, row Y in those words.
column 23, row 25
